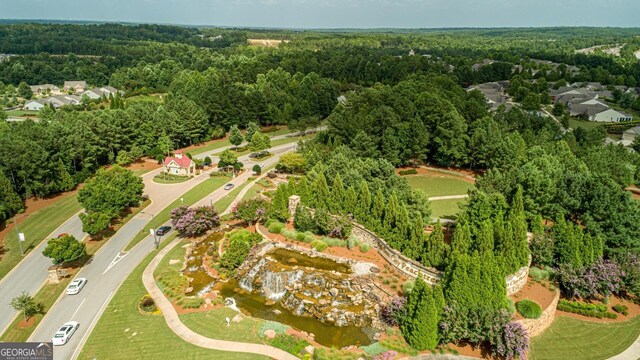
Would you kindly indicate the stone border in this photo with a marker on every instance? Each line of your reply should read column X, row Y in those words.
column 536, row 326
column 182, row 331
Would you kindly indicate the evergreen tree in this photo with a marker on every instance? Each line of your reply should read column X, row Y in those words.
column 337, row 195
column 279, row 209
column 350, row 201
column 484, row 238
column 519, row 224
column 321, row 194
column 420, row 325
column 363, row 208
column 10, row 202
column 303, row 191
column 377, row 210
column 64, row 181
column 461, row 241
column 434, row 254
column 252, row 128
column 303, row 220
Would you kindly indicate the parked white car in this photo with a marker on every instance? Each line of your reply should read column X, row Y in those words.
column 64, row 334
column 76, row 285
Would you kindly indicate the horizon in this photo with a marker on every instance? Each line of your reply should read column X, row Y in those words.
column 335, row 14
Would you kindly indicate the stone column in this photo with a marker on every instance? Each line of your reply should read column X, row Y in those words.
column 294, row 200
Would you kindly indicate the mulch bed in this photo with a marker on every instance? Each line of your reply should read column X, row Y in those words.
column 534, row 291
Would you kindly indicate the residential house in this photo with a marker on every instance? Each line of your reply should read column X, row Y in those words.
column 610, row 115
column 61, row 100
column 566, row 97
column 179, row 164
column 631, row 134
column 477, row 66
column 587, row 108
column 494, row 93
column 35, row 105
column 98, row 93
column 45, row 89
column 75, row 86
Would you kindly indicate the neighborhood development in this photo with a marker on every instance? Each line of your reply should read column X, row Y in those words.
column 208, row 192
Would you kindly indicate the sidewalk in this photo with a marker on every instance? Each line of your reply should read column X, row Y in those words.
column 186, row 334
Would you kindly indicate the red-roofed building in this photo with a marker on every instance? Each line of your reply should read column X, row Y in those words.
column 179, row 164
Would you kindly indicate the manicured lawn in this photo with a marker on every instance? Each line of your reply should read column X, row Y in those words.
column 160, row 180
column 439, row 185
column 212, row 145
column 47, row 295
column 190, row 197
column 153, row 97
column 575, row 123
column 274, row 143
column 22, row 113
column 570, row 338
column 124, row 333
column 253, row 191
column 222, row 204
column 447, row 209
column 213, row 324
column 36, row 227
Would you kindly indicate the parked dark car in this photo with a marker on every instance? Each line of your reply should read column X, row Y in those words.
column 163, row 230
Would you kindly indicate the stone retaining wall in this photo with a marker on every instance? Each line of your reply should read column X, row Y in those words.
column 412, row 268
column 536, row 326
column 403, row 264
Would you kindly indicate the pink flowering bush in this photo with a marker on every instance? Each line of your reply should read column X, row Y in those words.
column 513, row 342
column 602, row 278
column 387, row 355
column 391, row 312
column 194, row 221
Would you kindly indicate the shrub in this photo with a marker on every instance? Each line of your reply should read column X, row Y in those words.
column 408, row 172
column 374, row 349
column 529, row 309
column 147, row 304
column 319, row 245
column 288, row 343
column 511, row 306
column 275, row 227
column 621, row 309
column 538, row 274
column 591, row 310
column 194, row 221
column 272, row 325
column 269, row 222
column 365, row 247
column 191, row 302
column 300, row 236
column 408, row 286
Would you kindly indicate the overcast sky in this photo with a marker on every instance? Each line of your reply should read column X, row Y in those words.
column 336, row 13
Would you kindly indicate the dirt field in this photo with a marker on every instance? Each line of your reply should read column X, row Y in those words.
column 265, row 42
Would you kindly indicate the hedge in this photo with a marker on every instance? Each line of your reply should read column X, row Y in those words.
column 408, row 172
column 591, row 310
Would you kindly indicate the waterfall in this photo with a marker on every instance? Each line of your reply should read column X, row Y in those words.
column 231, row 304
column 246, row 282
column 274, row 283
column 300, row 308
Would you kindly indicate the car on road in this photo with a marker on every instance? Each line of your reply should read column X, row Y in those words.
column 65, row 333
column 162, row 230
column 261, row 165
column 62, row 235
column 229, row 186
column 76, row 285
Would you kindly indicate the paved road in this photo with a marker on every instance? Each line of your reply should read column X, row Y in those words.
column 110, row 266
column 29, row 275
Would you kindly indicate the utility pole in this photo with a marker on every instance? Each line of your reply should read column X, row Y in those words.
column 155, row 238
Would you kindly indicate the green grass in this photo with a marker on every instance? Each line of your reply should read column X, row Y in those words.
column 158, row 179
column 36, row 227
column 570, row 338
column 153, row 339
column 47, row 295
column 154, row 97
column 168, row 276
column 190, row 197
column 274, row 143
column 212, row 145
column 253, row 191
column 20, row 113
column 212, row 324
column 222, row 204
column 448, row 209
column 575, row 123
column 439, row 185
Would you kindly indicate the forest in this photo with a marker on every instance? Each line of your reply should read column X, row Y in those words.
column 384, row 108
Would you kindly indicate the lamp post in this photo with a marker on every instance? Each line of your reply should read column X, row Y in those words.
column 152, row 232
column 20, row 235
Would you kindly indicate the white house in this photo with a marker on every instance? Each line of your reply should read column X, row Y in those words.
column 93, row 93
column 97, row 93
column 45, row 89
column 62, row 100
column 35, row 105
column 610, row 115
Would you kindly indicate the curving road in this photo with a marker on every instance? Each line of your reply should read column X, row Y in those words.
column 188, row 335
column 110, row 266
